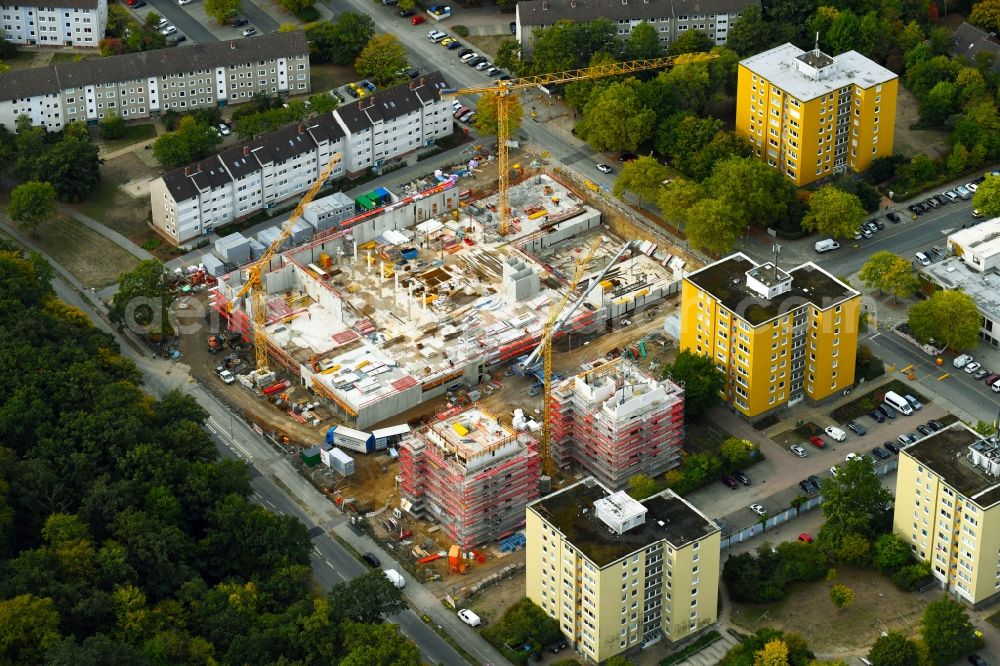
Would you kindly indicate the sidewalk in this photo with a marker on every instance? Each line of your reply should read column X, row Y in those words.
column 110, row 234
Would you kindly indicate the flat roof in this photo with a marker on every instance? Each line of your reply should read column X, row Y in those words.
column 779, row 67
column 983, row 238
column 668, row 518
column 946, row 454
column 475, row 430
column 726, row 281
column 983, row 287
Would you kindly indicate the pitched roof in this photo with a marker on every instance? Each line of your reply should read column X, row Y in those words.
column 547, row 12
column 969, row 41
column 392, row 102
column 325, row 127
column 159, row 62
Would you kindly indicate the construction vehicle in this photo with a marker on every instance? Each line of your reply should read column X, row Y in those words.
column 558, row 316
column 254, row 285
column 216, row 342
column 504, row 89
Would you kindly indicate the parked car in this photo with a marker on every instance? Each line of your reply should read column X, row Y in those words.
column 980, row 373
column 474, row 62
column 894, row 218
column 805, row 537
column 972, row 187
column 406, row 13
column 371, row 560
column 933, row 203
column 559, row 644
column 224, row 129
column 951, row 195
column 468, row 617
column 972, row 367
column 137, row 4
column 604, row 168
column 806, row 486
column 976, row 213
column 891, row 446
column 176, row 39
column 924, row 430
column 462, row 110
column 742, row 478
column 916, row 404
column 886, row 411
column 834, row 471
column 464, row 52
column 935, row 425
column 906, row 439
column 417, row 20
column 941, row 199
column 483, row 66
column 835, row 433
column 877, row 416
column 447, row 40
column 169, row 30
column 813, row 479
column 798, row 450
column 227, row 377
column 454, row 45
column 856, row 428
column 729, row 481
column 881, row 454
column 250, row 32
column 989, row 379
column 963, row 193
column 492, row 71
column 239, row 22
column 467, row 117
column 976, row 660
column 817, row 441
column 468, row 56
column 852, row 456
column 915, row 209
column 758, row 509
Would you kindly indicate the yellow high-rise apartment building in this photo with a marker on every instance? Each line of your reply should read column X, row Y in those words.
column 617, row 573
column 778, row 336
column 948, row 508
column 811, row 116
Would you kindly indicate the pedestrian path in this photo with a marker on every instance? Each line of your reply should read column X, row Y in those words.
column 112, row 235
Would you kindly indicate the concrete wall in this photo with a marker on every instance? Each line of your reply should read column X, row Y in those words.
column 589, row 219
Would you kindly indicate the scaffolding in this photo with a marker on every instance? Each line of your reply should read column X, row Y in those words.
column 616, row 421
column 472, row 474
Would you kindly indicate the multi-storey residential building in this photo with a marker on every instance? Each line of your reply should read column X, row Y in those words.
column 811, row 116
column 193, row 201
column 670, row 19
column 66, row 23
column 779, row 336
column 617, row 573
column 139, row 85
column 948, row 509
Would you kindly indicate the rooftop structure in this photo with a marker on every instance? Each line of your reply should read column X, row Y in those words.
column 615, row 421
column 472, row 474
column 978, row 246
column 963, row 459
column 983, row 287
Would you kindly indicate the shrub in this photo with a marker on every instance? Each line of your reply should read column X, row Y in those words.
column 113, row 127
column 460, row 30
column 911, row 575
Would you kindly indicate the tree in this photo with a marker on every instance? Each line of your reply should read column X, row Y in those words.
column 342, row 40
column 508, row 55
column 568, row 45
column 297, row 6
column 642, row 486
column 614, row 119
column 691, row 41
column 643, row 42
column 703, row 382
column 142, row 299
column 28, row 627
column 949, row 317
column 190, row 142
column 223, row 11
column 841, row 596
column 71, row 165
column 643, row 177
column 322, row 103
column 749, row 33
column 891, row 552
column 851, row 500
column 377, row 645
column 682, row 135
column 891, row 273
column 894, row 649
column 713, row 226
column 947, row 631
column 987, row 197
column 736, row 451
column 774, row 653
column 986, row 15
column 751, row 192
column 676, row 198
column 852, row 549
column 833, row 213
column 30, row 203
column 369, row 598
column 407, row 5
column 486, row 113
column 113, row 126
column 939, row 103
column 381, row 59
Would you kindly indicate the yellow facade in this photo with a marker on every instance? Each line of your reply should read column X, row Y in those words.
column 656, row 590
column 957, row 535
column 806, row 350
column 810, row 125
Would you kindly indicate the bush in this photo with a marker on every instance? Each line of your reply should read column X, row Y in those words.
column 910, row 576
column 308, row 15
column 113, row 127
column 151, row 244
column 767, row 575
column 460, row 30
column 524, row 622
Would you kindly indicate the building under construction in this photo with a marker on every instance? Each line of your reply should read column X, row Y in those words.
column 616, row 421
column 471, row 474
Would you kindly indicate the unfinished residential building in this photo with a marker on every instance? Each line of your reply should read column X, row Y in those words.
column 616, row 421
column 472, row 474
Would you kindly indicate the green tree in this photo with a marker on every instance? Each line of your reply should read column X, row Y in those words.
column 894, row 649
column 340, row 41
column 841, row 596
column 724, row 145
column 643, row 177
column 949, row 317
column 190, row 142
column 676, row 198
column 986, row 15
column 142, row 299
column 889, row 273
column 28, row 627
column 703, row 382
column 891, row 552
column 568, row 45
column 690, row 41
column 407, row 5
column 30, row 203
column 774, row 653
column 381, row 59
column 486, row 113
column 113, row 127
column 508, row 55
column 853, row 549
column 322, row 103
column 297, row 6
column 947, row 631
column 750, row 191
column 614, row 119
column 682, row 135
column 713, row 226
column 736, row 451
column 643, row 42
column 939, row 103
column 987, row 197
column 833, row 213
column 642, row 486
column 377, row 645
column 750, row 33
column 223, row 11
column 369, row 598
column 851, row 500
column 72, row 165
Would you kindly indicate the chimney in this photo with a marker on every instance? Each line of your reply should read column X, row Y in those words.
column 200, row 167
column 413, row 85
column 232, row 45
column 246, row 151
column 302, row 128
column 187, row 171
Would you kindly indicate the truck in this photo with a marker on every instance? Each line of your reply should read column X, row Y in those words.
column 439, row 12
column 826, row 245
column 395, row 578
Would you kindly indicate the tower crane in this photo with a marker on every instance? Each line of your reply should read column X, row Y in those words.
column 255, row 280
column 504, row 89
column 559, row 315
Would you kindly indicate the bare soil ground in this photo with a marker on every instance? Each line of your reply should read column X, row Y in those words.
column 878, row 606
column 487, row 44
column 909, row 141
column 326, row 77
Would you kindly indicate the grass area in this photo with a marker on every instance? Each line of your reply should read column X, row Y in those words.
column 326, row 77
column 21, row 60
column 994, row 619
column 878, row 604
column 703, row 437
column 133, row 134
column 91, row 258
column 868, row 401
column 696, row 647
column 487, row 45
column 71, row 57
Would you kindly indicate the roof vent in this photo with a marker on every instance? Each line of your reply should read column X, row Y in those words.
column 246, row 151
column 187, row 171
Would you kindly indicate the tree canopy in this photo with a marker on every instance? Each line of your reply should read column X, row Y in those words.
column 947, row 631
column 949, row 317
column 486, row 113
column 703, row 382
column 382, row 59
column 852, row 501
column 31, row 203
column 894, row 649
column 223, row 11
column 340, row 41
column 833, row 212
column 68, row 160
column 191, row 141
column 643, row 177
column 890, row 273
column 987, row 197
column 614, row 118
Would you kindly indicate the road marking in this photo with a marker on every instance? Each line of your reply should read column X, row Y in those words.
column 329, row 564
column 945, row 232
column 316, row 550
column 211, row 429
column 944, row 376
column 906, row 369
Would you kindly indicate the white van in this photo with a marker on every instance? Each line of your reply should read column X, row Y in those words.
column 995, row 386
column 826, row 245
column 898, row 403
column 395, row 578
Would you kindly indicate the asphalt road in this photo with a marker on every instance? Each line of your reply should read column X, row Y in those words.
column 181, row 20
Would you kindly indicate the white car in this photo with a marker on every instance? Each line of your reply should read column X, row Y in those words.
column 169, row 30
column 455, row 105
column 853, row 456
column 972, row 367
column 162, row 23
column 798, row 450
column 758, row 509
column 834, row 471
column 603, row 168
column 184, row 2
column 225, row 130
column 835, row 433
column 469, row 56
column 468, row 617
column 972, row 187
column 227, row 377
column 962, row 361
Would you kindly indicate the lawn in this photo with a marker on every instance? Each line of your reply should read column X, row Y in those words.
column 91, row 258
column 327, row 77
column 487, row 45
column 70, row 57
column 867, row 401
column 878, row 606
column 703, row 437
column 21, row 60
column 133, row 134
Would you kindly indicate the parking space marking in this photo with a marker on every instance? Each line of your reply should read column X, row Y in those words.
column 944, row 376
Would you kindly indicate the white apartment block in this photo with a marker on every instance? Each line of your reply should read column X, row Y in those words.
column 670, row 18
column 194, row 201
column 68, row 23
column 140, row 85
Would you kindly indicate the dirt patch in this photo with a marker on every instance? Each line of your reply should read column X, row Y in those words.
column 909, row 142
column 326, row 77
column 487, row 44
column 878, row 606
column 702, row 437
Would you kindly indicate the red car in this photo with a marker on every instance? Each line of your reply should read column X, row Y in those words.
column 817, row 441
column 805, row 537
column 417, row 20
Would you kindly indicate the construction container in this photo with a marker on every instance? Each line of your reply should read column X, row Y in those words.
column 364, row 203
column 233, row 249
column 381, row 196
column 213, row 265
column 311, row 456
column 350, row 439
column 408, row 253
column 340, row 461
column 268, row 236
column 386, row 437
column 302, row 232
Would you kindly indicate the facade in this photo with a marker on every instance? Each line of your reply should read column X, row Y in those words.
column 615, row 420
column 193, row 201
column 948, row 509
column 141, row 85
column 617, row 573
column 67, row 23
column 470, row 473
column 778, row 336
column 671, row 19
column 811, row 116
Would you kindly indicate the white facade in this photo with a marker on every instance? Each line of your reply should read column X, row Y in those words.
column 72, row 23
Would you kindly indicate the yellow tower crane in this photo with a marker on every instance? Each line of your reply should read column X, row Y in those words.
column 255, row 275
column 504, row 89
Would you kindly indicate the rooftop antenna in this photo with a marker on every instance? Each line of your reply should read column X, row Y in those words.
column 776, row 249
column 817, row 42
